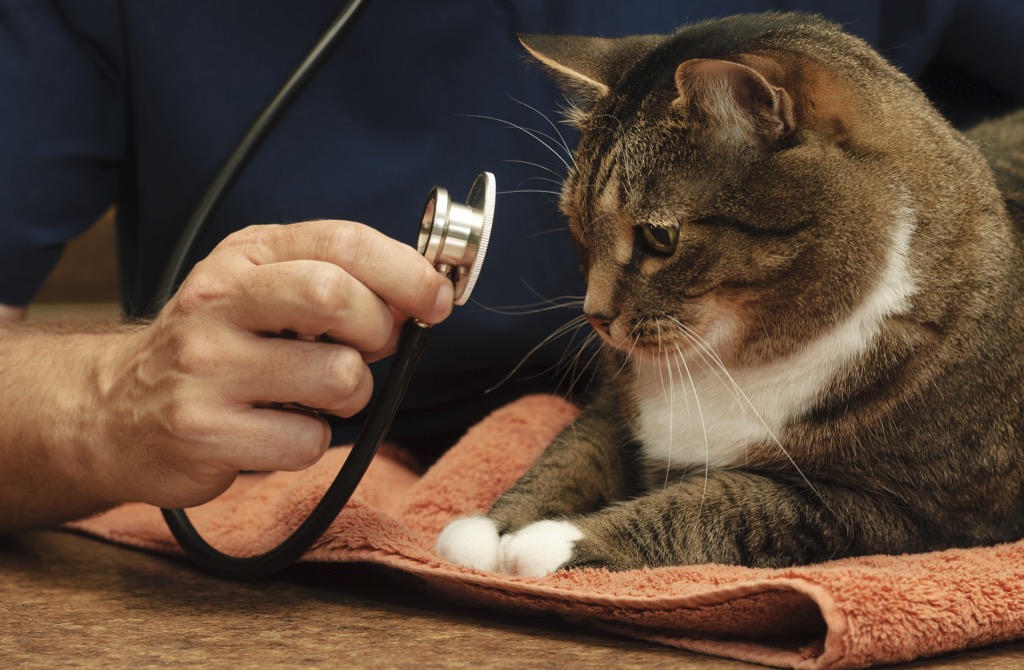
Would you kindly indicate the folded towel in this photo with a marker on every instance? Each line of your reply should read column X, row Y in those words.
column 843, row 614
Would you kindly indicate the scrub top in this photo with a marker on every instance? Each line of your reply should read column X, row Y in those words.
column 136, row 104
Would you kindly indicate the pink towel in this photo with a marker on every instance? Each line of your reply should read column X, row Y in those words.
column 844, row 614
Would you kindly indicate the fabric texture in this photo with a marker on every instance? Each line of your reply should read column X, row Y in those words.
column 848, row 613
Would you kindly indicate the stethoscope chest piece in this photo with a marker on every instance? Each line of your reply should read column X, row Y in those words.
column 454, row 237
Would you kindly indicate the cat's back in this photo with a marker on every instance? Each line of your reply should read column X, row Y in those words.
column 1001, row 140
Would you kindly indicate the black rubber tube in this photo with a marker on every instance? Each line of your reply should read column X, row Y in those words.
column 382, row 412
column 243, row 151
column 383, row 408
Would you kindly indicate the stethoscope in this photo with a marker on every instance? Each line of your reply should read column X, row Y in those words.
column 452, row 236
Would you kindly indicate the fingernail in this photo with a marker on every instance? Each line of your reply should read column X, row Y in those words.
column 444, row 303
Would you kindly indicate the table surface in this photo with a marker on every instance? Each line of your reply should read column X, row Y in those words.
column 71, row 601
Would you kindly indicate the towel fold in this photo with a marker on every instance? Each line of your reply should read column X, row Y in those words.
column 848, row 613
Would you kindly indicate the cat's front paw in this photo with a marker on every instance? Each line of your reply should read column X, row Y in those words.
column 535, row 550
column 538, row 549
column 471, row 542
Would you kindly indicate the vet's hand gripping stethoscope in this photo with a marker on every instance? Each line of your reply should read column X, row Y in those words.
column 452, row 236
column 454, row 239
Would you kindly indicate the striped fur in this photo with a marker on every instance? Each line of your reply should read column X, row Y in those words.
column 828, row 359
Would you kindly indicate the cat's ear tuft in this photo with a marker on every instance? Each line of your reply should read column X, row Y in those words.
column 736, row 98
column 586, row 68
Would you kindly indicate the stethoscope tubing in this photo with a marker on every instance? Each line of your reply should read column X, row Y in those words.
column 382, row 411
column 218, row 188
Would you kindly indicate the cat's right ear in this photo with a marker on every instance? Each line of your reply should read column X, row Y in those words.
column 735, row 97
column 586, row 68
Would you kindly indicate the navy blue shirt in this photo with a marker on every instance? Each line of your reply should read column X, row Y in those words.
column 138, row 103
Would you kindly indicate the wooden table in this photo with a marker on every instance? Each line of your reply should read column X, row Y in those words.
column 70, row 601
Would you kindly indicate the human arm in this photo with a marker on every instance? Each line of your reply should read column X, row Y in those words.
column 168, row 412
column 11, row 315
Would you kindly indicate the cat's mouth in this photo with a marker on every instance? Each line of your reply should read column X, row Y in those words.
column 656, row 334
column 706, row 333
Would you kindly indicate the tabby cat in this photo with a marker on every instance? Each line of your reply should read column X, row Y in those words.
column 812, row 296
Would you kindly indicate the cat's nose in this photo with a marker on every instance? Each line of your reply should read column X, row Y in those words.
column 600, row 322
column 600, row 311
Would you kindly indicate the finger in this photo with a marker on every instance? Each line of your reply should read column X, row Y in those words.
column 394, row 271
column 272, row 439
column 391, row 344
column 329, row 377
column 311, row 298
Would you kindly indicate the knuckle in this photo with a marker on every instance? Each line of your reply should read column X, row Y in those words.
column 343, row 372
column 343, row 242
column 254, row 244
column 201, row 289
column 194, row 355
column 192, row 423
column 248, row 237
column 325, row 292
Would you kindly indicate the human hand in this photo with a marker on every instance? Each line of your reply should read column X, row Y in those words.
column 210, row 388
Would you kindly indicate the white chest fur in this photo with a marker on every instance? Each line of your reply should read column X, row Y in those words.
column 694, row 412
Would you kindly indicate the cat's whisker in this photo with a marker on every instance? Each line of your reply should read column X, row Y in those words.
column 572, row 326
column 713, row 358
column 717, row 367
column 669, row 391
column 556, row 182
column 551, row 301
column 562, row 142
column 534, row 308
column 704, row 428
column 558, row 178
column 630, row 353
column 529, row 190
column 714, row 363
column 544, row 138
column 622, row 366
column 575, row 370
column 686, row 400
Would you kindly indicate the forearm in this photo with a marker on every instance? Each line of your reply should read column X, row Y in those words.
column 169, row 412
column 52, row 435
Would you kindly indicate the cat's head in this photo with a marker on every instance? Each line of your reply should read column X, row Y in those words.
column 748, row 182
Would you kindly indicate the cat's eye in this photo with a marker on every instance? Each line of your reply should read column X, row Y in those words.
column 661, row 239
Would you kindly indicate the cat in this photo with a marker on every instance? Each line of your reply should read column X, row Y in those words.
column 811, row 295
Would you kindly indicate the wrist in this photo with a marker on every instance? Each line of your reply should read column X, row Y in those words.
column 92, row 423
column 57, row 446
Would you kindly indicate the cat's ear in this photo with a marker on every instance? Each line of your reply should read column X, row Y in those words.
column 735, row 97
column 586, row 68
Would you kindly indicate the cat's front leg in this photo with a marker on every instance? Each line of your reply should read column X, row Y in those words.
column 727, row 516
column 583, row 469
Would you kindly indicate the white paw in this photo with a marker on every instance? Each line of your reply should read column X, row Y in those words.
column 471, row 542
column 538, row 549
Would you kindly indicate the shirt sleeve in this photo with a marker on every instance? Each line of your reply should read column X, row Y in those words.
column 61, row 137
